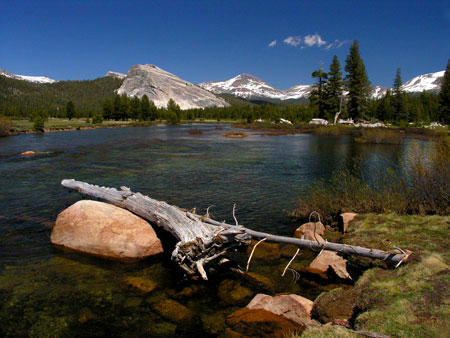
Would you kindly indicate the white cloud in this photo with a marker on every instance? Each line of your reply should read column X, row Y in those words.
column 293, row 40
column 273, row 43
column 314, row 40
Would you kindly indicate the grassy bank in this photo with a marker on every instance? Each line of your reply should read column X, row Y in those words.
column 410, row 301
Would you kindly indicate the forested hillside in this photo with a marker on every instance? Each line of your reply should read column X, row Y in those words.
column 23, row 98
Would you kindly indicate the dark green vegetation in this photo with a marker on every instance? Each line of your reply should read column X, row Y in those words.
column 96, row 99
column 410, row 301
column 22, row 98
column 422, row 188
column 444, row 97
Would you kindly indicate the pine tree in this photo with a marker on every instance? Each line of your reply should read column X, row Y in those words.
column 144, row 110
column 108, row 109
column 317, row 96
column 401, row 114
column 357, row 82
column 70, row 110
column 173, row 112
column 134, row 108
column 333, row 89
column 444, row 97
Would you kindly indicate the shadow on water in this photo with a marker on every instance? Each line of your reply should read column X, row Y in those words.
column 45, row 289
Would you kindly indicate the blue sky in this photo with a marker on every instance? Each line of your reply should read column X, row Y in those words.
column 216, row 40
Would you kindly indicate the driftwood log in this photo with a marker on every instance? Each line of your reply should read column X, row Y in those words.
column 202, row 240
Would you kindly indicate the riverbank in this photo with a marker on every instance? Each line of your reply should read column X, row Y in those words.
column 270, row 129
column 410, row 301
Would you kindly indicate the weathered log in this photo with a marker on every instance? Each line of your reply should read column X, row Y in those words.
column 202, row 240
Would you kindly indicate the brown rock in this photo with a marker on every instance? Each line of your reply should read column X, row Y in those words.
column 337, row 306
column 28, row 153
column 105, row 230
column 260, row 323
column 293, row 307
column 309, row 229
column 345, row 219
column 329, row 259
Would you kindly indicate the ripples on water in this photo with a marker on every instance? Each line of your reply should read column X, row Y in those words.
column 261, row 174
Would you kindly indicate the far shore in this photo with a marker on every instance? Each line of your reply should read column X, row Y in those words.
column 24, row 126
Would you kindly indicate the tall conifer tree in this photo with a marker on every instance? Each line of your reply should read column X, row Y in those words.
column 317, row 96
column 401, row 113
column 333, row 89
column 357, row 82
column 444, row 97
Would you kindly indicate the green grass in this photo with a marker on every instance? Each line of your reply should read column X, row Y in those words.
column 55, row 124
column 412, row 300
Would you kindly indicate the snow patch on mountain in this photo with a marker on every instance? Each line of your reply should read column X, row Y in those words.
column 36, row 79
column 427, row 82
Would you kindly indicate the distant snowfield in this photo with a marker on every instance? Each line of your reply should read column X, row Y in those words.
column 36, row 79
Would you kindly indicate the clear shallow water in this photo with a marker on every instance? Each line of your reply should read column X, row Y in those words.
column 74, row 295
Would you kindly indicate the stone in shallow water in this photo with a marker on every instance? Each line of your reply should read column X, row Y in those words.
column 105, row 230
column 141, row 283
column 173, row 311
column 231, row 292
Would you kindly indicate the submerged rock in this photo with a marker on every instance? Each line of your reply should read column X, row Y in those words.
column 231, row 292
column 105, row 230
column 142, row 284
column 173, row 311
column 267, row 316
column 28, row 153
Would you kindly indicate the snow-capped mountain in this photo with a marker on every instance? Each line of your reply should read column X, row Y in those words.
column 378, row 92
column 250, row 87
column 116, row 75
column 246, row 86
column 36, row 79
column 427, row 82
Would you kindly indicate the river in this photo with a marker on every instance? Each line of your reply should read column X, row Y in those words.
column 44, row 289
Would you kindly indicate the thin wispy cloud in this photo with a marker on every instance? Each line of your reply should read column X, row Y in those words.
column 311, row 40
column 336, row 44
column 314, row 40
column 273, row 43
column 293, row 41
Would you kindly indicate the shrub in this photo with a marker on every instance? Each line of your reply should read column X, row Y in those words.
column 97, row 118
column 38, row 124
column 380, row 136
column 5, row 126
column 424, row 188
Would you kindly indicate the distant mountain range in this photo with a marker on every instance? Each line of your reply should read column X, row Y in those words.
column 250, row 87
column 160, row 85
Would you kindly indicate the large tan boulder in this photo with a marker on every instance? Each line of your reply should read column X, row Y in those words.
column 330, row 259
column 105, row 230
column 311, row 231
column 293, row 307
